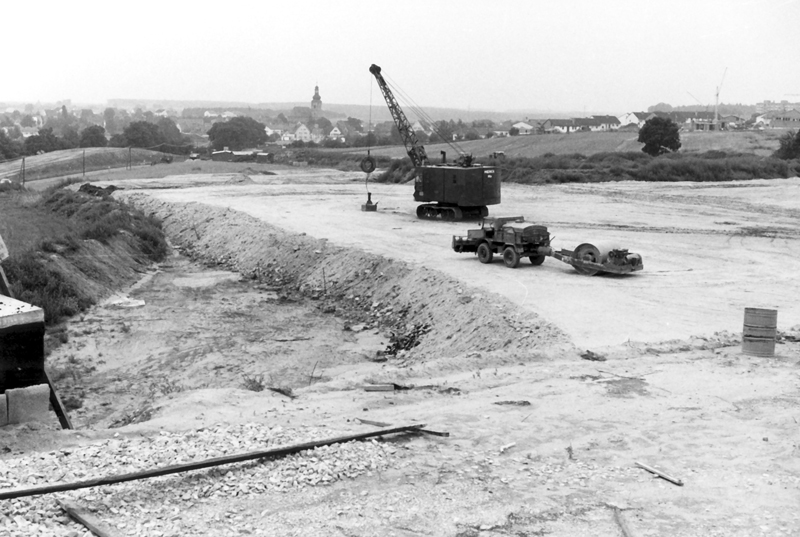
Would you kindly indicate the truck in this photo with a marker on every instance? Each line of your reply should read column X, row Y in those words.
column 514, row 238
column 453, row 190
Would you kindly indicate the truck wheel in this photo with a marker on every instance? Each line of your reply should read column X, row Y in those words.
column 485, row 254
column 510, row 257
column 537, row 259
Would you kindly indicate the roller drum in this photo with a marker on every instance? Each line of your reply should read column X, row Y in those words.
column 595, row 253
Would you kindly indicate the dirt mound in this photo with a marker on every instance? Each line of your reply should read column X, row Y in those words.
column 448, row 317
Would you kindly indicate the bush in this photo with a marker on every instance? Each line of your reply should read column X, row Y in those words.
column 35, row 282
column 789, row 146
column 400, row 171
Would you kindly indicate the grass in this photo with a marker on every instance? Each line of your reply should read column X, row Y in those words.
column 589, row 143
column 71, row 161
column 45, row 234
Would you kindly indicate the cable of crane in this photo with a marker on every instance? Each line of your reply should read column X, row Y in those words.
column 421, row 114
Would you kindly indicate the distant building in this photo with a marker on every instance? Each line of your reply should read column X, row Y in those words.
column 772, row 106
column 302, row 133
column 316, row 104
column 524, row 128
column 559, row 126
column 789, row 119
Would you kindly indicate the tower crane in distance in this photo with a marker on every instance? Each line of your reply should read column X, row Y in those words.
column 450, row 191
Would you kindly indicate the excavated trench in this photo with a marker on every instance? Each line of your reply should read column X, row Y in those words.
column 429, row 315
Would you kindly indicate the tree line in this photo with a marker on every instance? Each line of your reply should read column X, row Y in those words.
column 163, row 135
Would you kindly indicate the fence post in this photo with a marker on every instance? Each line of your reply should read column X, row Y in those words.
column 84, row 163
column 130, row 149
column 23, row 172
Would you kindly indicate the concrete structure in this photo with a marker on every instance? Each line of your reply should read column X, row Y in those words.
column 3, row 411
column 28, row 404
column 21, row 361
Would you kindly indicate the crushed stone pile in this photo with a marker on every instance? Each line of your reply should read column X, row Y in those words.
column 158, row 506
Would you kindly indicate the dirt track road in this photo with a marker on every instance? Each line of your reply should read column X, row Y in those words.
column 709, row 250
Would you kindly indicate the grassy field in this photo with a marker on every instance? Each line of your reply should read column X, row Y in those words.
column 71, row 161
column 588, row 143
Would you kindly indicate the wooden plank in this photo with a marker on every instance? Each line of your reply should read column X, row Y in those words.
column 382, row 424
column 622, row 523
column 199, row 465
column 83, row 516
column 5, row 287
column 379, row 388
column 660, row 474
column 58, row 406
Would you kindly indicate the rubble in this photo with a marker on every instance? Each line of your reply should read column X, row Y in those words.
column 121, row 505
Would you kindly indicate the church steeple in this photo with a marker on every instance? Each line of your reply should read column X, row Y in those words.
column 316, row 103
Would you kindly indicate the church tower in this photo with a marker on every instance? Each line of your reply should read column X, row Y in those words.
column 316, row 104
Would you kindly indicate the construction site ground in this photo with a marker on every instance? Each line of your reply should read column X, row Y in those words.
column 282, row 282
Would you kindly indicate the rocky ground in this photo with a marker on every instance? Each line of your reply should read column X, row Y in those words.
column 253, row 335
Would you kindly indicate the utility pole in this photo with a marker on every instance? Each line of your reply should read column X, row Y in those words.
column 716, row 102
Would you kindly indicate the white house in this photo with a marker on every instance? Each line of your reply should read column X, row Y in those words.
column 637, row 118
column 524, row 128
column 302, row 133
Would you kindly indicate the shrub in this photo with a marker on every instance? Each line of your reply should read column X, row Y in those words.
column 789, row 146
column 400, row 170
column 35, row 282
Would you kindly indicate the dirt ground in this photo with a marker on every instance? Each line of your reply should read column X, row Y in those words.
column 282, row 280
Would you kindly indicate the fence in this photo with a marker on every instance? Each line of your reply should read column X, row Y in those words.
column 76, row 162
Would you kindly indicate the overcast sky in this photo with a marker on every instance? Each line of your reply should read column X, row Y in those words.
column 608, row 56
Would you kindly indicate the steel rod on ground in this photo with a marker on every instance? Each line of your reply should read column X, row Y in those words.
column 659, row 473
column 199, row 465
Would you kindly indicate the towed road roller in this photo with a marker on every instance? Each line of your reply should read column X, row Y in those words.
column 513, row 238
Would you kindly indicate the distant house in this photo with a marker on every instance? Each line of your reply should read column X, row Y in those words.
column 606, row 123
column 500, row 133
column 336, row 134
column 636, row 118
column 302, row 133
column 29, row 131
column 272, row 130
column 790, row 119
column 560, row 126
column 208, row 113
column 228, row 115
column 524, row 128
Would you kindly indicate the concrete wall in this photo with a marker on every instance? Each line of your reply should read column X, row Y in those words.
column 24, row 394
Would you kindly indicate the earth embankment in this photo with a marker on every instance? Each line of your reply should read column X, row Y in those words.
column 451, row 317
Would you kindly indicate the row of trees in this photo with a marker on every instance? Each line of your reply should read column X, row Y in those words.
column 163, row 135
column 46, row 141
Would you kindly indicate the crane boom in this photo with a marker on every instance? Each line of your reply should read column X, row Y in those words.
column 414, row 149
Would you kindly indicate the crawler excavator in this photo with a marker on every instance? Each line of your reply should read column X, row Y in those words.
column 450, row 191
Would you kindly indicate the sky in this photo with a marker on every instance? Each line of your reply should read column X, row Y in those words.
column 609, row 56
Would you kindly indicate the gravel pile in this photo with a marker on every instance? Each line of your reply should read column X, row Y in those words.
column 156, row 506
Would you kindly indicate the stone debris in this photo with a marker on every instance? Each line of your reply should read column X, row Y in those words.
column 122, row 505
